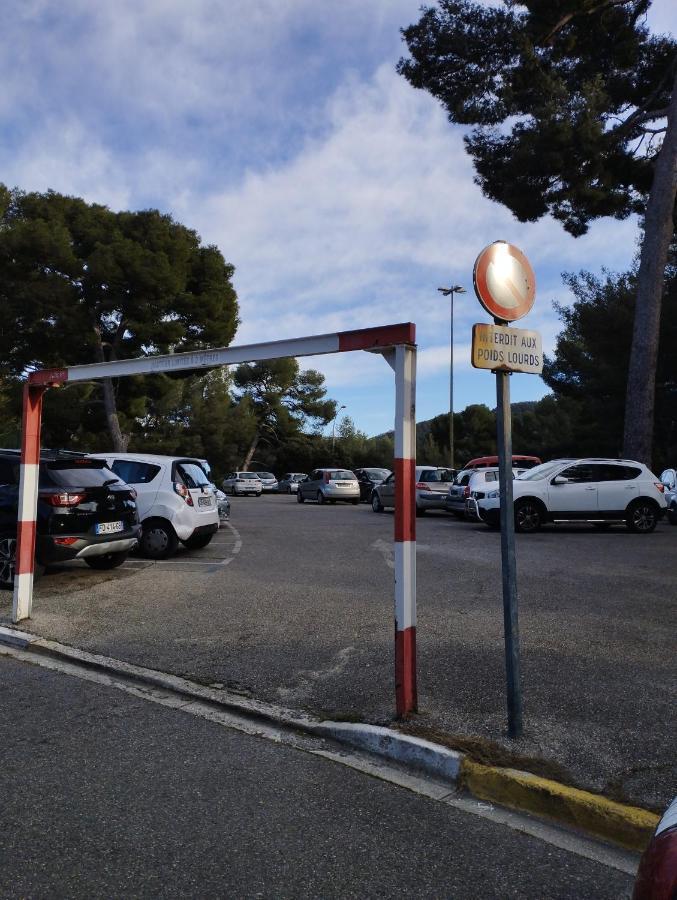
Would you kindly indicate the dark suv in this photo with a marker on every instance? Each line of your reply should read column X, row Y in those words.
column 84, row 512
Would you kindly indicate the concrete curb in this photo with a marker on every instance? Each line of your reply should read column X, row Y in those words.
column 627, row 826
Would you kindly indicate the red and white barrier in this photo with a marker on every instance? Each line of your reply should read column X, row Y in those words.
column 405, row 530
column 398, row 345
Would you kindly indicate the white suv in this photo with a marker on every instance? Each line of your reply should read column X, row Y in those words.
column 175, row 500
column 599, row 491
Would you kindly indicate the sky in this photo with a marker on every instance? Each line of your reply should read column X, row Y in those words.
column 280, row 131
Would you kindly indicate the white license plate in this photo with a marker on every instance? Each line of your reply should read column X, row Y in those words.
column 109, row 527
column 204, row 501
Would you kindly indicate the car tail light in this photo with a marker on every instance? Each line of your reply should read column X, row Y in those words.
column 64, row 499
column 183, row 491
column 660, row 486
column 421, row 486
column 65, row 542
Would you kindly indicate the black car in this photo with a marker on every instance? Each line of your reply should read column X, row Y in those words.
column 368, row 479
column 84, row 512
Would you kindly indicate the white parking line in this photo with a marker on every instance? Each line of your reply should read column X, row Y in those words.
column 198, row 561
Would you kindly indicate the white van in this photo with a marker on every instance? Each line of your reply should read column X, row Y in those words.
column 175, row 500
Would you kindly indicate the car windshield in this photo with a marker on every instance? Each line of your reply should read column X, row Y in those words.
column 341, row 475
column 541, row 471
column 266, row 475
column 248, row 475
column 437, row 475
column 192, row 474
column 376, row 474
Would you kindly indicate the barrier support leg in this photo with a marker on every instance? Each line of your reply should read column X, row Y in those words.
column 405, row 530
column 28, row 503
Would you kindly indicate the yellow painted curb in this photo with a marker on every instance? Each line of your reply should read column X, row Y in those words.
column 628, row 826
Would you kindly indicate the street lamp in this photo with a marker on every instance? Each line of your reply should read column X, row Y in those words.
column 449, row 292
column 333, row 427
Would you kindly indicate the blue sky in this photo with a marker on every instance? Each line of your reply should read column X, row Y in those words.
column 281, row 132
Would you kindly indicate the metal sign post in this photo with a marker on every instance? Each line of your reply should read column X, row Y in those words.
column 508, row 561
column 505, row 286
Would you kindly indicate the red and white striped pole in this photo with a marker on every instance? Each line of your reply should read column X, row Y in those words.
column 28, row 499
column 405, row 530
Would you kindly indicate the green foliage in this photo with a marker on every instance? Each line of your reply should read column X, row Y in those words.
column 562, row 94
column 79, row 283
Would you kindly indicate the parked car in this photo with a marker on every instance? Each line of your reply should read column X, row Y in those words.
column 485, row 462
column 83, row 512
column 600, row 491
column 328, row 486
column 289, row 483
column 472, row 483
column 368, row 479
column 175, row 500
column 268, row 481
column 669, row 479
column 222, row 504
column 432, row 485
column 242, row 484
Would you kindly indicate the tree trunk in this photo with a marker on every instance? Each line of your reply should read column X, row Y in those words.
column 120, row 440
column 250, row 453
column 658, row 230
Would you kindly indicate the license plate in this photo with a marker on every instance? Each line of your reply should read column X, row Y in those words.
column 108, row 527
column 204, row 501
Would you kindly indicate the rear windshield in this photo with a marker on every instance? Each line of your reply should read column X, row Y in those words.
column 267, row 475
column 376, row 474
column 248, row 475
column 342, row 475
column 135, row 472
column 192, row 475
column 436, row 475
column 85, row 473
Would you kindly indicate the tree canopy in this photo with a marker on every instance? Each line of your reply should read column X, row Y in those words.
column 80, row 283
column 573, row 112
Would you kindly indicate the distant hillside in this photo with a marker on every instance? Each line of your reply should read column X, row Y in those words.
column 425, row 427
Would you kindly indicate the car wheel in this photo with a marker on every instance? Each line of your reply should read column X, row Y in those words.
column 320, row 497
column 672, row 515
column 528, row 516
column 158, row 539
column 299, row 497
column 197, row 541
column 8, row 560
column 107, row 560
column 642, row 517
column 376, row 504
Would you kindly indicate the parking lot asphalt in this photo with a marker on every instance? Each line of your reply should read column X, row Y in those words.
column 294, row 604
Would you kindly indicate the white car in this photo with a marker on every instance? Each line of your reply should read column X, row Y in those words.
column 599, row 491
column 239, row 483
column 669, row 479
column 268, row 481
column 472, row 484
column 175, row 500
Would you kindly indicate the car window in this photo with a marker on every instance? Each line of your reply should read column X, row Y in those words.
column 192, row 475
column 581, row 474
column 9, row 471
column 610, row 472
column 491, row 476
column 135, row 472
column 265, row 475
column 542, row 471
column 342, row 475
column 88, row 473
column 437, row 475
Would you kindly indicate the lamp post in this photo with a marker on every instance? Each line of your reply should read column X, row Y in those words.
column 449, row 292
column 333, row 427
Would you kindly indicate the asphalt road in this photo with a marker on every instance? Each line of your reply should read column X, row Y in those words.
column 294, row 605
column 107, row 795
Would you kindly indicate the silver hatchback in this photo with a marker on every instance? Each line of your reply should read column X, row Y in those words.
column 328, row 486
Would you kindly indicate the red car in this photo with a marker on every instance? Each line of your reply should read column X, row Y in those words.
column 657, row 875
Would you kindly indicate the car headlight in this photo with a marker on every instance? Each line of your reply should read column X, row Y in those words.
column 493, row 495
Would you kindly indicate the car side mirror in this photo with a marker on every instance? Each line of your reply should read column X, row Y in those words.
column 559, row 479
